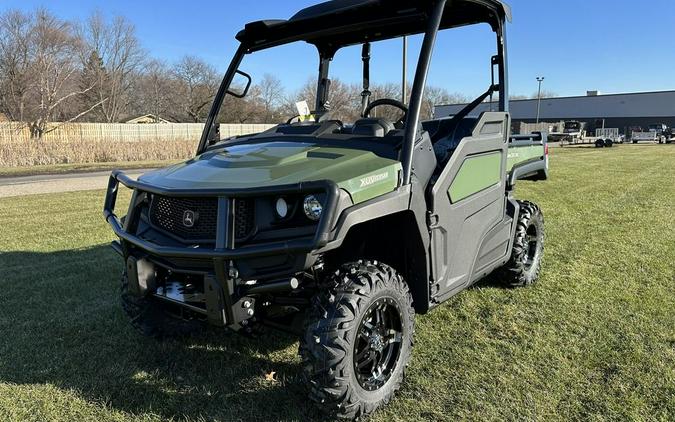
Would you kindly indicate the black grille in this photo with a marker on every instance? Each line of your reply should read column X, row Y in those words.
column 169, row 214
column 244, row 218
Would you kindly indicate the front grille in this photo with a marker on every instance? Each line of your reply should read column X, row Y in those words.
column 169, row 214
column 244, row 218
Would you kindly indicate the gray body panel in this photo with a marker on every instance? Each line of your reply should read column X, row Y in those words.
column 473, row 233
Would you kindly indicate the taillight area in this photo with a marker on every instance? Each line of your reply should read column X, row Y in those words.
column 546, row 150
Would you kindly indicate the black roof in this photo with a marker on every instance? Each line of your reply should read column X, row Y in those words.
column 338, row 23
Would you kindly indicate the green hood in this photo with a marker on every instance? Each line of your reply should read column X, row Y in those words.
column 362, row 174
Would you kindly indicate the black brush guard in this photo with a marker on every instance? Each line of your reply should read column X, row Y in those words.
column 220, row 308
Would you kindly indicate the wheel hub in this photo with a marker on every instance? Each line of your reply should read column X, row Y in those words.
column 531, row 246
column 378, row 344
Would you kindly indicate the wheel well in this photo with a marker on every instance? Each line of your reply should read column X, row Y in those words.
column 394, row 240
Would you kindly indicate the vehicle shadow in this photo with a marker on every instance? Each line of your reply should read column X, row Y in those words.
column 63, row 326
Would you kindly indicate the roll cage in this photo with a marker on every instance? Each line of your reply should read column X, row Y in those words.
column 335, row 24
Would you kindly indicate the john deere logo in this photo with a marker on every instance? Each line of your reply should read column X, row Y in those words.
column 189, row 218
column 367, row 181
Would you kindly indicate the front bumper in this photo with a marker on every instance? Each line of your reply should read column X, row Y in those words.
column 222, row 293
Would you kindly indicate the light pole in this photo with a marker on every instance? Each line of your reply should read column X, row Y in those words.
column 540, row 80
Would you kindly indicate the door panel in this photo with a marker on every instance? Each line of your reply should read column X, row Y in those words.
column 467, row 203
column 477, row 173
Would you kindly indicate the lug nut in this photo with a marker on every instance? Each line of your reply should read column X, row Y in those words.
column 250, row 312
column 246, row 304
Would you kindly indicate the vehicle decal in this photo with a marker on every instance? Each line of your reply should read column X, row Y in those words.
column 367, row 181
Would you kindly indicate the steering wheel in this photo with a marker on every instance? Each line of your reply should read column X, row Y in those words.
column 389, row 102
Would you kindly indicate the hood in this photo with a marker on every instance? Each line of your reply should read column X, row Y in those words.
column 362, row 174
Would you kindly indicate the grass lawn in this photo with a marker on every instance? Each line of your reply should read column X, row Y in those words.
column 80, row 168
column 595, row 339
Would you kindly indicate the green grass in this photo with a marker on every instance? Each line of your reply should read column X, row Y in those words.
column 77, row 168
column 594, row 340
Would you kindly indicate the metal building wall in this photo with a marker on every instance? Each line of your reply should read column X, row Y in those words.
column 619, row 110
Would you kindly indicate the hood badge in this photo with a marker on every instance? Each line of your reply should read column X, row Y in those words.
column 190, row 218
column 371, row 180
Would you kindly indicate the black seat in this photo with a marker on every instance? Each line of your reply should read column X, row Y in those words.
column 446, row 135
column 373, row 127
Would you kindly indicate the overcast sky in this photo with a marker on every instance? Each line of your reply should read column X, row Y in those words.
column 578, row 45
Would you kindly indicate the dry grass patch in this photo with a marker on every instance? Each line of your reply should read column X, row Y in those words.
column 40, row 152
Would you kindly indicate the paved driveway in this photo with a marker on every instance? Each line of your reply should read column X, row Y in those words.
column 33, row 185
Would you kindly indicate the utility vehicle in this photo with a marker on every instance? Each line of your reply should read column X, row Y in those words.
column 574, row 132
column 670, row 135
column 338, row 232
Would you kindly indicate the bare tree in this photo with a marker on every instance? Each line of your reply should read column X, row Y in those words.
column 115, row 42
column 544, row 94
column 154, row 89
column 197, row 82
column 15, row 63
column 343, row 99
column 434, row 96
column 270, row 94
column 55, row 70
column 390, row 91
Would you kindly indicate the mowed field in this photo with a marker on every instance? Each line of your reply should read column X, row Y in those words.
column 594, row 340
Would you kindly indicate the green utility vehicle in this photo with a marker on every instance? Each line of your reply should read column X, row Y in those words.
column 339, row 232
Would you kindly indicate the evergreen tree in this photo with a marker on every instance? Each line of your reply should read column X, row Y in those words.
column 93, row 80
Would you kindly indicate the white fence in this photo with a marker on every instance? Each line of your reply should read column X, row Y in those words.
column 20, row 132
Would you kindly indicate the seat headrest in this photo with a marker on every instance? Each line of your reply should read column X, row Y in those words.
column 375, row 127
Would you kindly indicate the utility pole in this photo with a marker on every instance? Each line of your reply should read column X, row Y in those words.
column 540, row 80
column 404, row 84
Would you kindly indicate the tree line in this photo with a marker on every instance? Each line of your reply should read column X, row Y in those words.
column 96, row 70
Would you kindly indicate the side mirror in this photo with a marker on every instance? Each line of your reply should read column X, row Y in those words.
column 214, row 134
column 244, row 80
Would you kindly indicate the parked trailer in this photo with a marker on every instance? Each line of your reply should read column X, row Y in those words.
column 655, row 133
column 644, row 137
column 606, row 137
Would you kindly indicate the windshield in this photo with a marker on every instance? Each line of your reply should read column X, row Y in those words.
column 572, row 125
column 285, row 80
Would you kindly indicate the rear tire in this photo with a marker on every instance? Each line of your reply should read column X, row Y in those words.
column 599, row 143
column 528, row 248
column 362, row 325
column 151, row 319
column 609, row 143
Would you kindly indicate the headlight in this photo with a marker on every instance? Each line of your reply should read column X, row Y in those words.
column 313, row 208
column 282, row 208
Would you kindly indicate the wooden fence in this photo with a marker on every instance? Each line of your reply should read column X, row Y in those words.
column 20, row 132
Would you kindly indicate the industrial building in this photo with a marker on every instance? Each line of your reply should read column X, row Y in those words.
column 623, row 111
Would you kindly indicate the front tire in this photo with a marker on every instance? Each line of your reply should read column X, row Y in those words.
column 358, row 340
column 528, row 248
